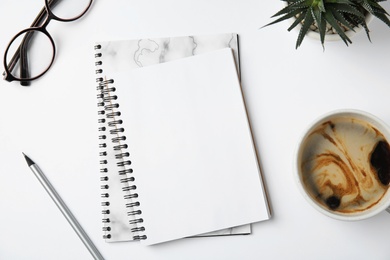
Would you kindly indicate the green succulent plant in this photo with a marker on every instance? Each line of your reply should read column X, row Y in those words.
column 341, row 15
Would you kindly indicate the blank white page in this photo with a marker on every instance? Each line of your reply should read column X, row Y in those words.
column 191, row 147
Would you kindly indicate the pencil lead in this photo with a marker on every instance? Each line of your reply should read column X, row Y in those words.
column 29, row 161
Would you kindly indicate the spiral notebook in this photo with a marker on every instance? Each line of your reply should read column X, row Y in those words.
column 140, row 194
column 124, row 55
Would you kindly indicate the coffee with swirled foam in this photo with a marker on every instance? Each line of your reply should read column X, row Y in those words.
column 345, row 165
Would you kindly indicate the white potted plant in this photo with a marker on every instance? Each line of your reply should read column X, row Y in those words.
column 330, row 18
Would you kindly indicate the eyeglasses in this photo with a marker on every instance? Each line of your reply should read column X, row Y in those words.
column 31, row 52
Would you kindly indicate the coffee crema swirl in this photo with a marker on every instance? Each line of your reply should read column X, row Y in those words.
column 346, row 165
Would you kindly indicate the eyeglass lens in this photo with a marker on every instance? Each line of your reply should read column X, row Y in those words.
column 69, row 9
column 35, row 50
column 35, row 47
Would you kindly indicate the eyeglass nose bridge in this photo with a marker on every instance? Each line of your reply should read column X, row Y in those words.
column 21, row 55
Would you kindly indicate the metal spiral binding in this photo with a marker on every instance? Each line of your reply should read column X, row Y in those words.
column 102, row 146
column 110, row 130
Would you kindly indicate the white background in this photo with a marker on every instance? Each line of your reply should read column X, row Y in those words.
column 54, row 122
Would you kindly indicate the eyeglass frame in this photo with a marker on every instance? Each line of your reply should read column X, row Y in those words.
column 47, row 14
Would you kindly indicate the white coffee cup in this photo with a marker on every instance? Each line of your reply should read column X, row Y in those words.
column 313, row 173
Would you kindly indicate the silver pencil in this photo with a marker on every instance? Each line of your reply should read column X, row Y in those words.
column 63, row 208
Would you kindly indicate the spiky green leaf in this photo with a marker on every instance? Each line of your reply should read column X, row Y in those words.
column 378, row 10
column 339, row 2
column 383, row 18
column 297, row 21
column 353, row 20
column 367, row 7
column 285, row 17
column 350, row 9
column 321, row 23
column 305, row 27
column 321, row 6
column 300, row 4
column 364, row 25
column 332, row 21
column 341, row 18
column 375, row 5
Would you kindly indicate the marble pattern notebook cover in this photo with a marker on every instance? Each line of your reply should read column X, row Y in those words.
column 184, row 148
column 125, row 55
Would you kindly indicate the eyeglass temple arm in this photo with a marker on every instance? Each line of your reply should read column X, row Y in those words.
column 22, row 47
column 37, row 21
column 24, row 70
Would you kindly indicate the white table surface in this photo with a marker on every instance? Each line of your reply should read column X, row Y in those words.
column 54, row 122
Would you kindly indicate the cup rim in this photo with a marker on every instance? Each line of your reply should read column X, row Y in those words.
column 372, row 119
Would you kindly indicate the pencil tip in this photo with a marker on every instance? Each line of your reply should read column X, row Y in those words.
column 28, row 160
